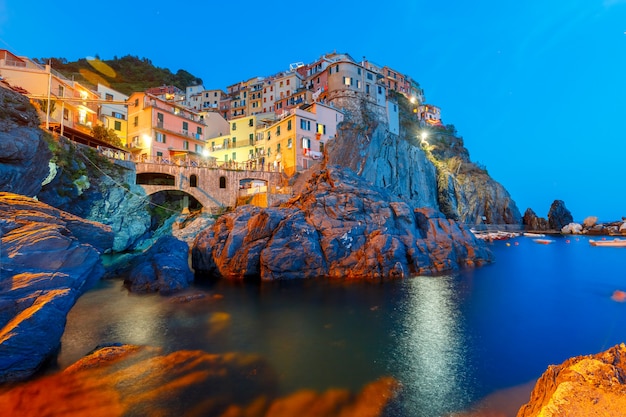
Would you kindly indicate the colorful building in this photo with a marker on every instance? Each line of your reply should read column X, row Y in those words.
column 65, row 106
column 296, row 141
column 241, row 146
column 163, row 130
column 113, row 111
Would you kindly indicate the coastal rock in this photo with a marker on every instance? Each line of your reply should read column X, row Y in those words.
column 24, row 155
column 532, row 222
column 581, row 386
column 48, row 259
column 127, row 380
column 164, row 268
column 559, row 215
column 572, row 229
column 339, row 227
column 590, row 221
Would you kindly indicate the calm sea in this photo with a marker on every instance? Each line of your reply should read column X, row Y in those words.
column 451, row 340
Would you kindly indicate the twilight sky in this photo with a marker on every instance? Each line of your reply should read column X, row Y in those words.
column 536, row 88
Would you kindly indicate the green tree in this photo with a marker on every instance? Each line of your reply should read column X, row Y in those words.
column 106, row 135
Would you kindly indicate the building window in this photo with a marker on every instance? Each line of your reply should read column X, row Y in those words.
column 251, row 122
column 251, row 139
column 321, row 129
column 159, row 154
column 193, row 180
column 160, row 137
column 289, row 143
column 277, row 130
column 370, row 76
column 234, row 142
column 136, row 102
column 322, row 147
column 288, row 124
column 234, row 125
column 108, row 96
column 61, row 91
column 222, row 182
column 199, row 131
column 347, row 81
column 305, row 124
column 117, row 125
column 185, row 127
column 234, row 156
column 198, row 148
column 136, row 121
column 367, row 88
column 186, row 145
column 358, row 71
column 278, row 148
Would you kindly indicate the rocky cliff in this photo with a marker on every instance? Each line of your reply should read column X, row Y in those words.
column 48, row 258
column 432, row 172
column 340, row 227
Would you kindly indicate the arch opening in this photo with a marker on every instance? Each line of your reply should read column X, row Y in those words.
column 165, row 204
column 155, row 178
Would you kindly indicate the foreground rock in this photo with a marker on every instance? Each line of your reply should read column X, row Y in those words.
column 592, row 385
column 339, row 227
column 132, row 381
column 48, row 259
column 163, row 268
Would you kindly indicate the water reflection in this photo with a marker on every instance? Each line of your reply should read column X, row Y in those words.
column 431, row 348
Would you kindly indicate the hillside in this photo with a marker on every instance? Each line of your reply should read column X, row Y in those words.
column 126, row 74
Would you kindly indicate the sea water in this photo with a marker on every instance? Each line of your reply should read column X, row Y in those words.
column 451, row 340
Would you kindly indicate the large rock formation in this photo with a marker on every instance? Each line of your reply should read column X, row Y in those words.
column 592, row 385
column 131, row 380
column 340, row 227
column 48, row 258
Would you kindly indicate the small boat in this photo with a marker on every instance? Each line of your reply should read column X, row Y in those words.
column 613, row 243
column 543, row 241
column 529, row 234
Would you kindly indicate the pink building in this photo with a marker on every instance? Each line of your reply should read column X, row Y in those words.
column 158, row 128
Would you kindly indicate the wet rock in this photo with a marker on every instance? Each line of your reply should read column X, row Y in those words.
column 164, row 268
column 126, row 380
column 48, row 259
column 339, row 227
column 559, row 215
column 581, row 386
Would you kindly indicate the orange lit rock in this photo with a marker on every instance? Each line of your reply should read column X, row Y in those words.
column 592, row 385
column 339, row 227
column 132, row 380
column 48, row 259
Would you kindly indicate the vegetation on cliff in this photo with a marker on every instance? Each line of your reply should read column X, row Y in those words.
column 126, row 74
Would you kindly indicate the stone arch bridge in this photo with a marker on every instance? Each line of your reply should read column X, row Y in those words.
column 214, row 188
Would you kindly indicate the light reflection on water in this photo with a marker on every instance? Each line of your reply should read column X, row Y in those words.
column 432, row 347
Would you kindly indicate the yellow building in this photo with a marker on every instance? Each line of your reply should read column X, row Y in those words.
column 242, row 147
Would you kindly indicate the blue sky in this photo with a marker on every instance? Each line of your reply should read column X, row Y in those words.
column 537, row 88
